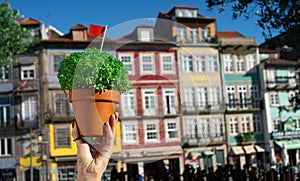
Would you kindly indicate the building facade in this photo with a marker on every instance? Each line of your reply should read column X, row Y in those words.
column 239, row 59
column 151, row 127
column 203, row 138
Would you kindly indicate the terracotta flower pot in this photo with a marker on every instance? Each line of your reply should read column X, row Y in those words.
column 92, row 109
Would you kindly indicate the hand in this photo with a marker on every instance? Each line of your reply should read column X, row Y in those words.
column 92, row 161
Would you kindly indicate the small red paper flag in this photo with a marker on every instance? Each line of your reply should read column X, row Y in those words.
column 96, row 30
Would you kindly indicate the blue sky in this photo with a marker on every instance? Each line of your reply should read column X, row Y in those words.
column 117, row 14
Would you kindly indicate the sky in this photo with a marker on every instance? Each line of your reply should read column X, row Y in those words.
column 124, row 14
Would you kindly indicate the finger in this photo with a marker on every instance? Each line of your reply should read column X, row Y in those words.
column 76, row 135
column 113, row 122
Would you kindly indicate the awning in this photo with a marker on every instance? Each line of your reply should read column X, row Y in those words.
column 259, row 149
column 195, row 153
column 237, row 150
column 208, row 152
column 7, row 163
column 249, row 149
column 289, row 144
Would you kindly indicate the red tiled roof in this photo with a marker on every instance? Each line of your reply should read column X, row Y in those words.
column 78, row 27
column 29, row 21
column 230, row 34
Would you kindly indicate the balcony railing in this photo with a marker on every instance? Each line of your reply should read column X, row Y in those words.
column 244, row 104
column 193, row 139
column 282, row 83
column 190, row 107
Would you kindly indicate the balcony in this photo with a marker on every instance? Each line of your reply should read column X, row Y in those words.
column 247, row 138
column 201, row 107
column 204, row 139
column 242, row 105
column 6, row 125
column 282, row 83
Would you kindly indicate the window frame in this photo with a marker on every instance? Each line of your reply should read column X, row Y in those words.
column 152, row 108
column 234, row 125
column 134, row 132
column 172, row 63
column 58, row 136
column 142, row 64
column 53, row 63
column 8, row 146
column 127, row 99
column 187, row 63
column 28, row 69
column 176, row 129
column 130, row 63
column 156, row 131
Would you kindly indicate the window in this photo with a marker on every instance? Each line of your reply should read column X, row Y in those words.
column 27, row 72
column 172, row 130
column 169, row 102
column 271, row 77
column 187, row 62
column 212, row 63
column 292, row 77
column 147, row 64
column 151, row 131
column 231, row 97
column 217, row 127
column 181, row 34
column 215, row 97
column 29, row 108
column 4, row 75
column 145, row 35
column 61, row 103
column 233, row 122
column 57, row 58
column 189, row 95
column 205, row 128
column 167, row 62
column 245, row 124
column 274, row 99
column 149, row 103
column 206, row 33
column 256, row 123
column 194, row 37
column 228, row 63
column 240, row 64
column 127, row 60
column 202, row 97
column 128, row 104
column 62, row 137
column 130, row 132
column 4, row 112
column 5, row 146
column 251, row 63
column 254, row 96
column 200, row 63
column 192, row 130
column 243, row 97
column 277, row 125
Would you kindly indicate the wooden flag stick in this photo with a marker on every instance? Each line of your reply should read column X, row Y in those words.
column 103, row 38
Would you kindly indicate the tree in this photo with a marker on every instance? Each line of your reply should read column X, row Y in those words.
column 14, row 39
column 273, row 15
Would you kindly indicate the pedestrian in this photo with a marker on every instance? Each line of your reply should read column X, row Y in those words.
column 113, row 173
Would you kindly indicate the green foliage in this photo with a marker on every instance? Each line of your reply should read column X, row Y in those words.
column 275, row 15
column 247, row 137
column 93, row 69
column 13, row 38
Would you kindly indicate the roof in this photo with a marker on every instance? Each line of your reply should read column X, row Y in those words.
column 230, row 34
column 78, row 27
column 171, row 13
column 264, row 50
column 285, row 62
column 29, row 21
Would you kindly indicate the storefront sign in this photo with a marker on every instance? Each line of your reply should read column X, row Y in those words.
column 286, row 134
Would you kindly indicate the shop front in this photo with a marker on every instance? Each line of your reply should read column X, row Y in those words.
column 287, row 138
column 7, row 168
